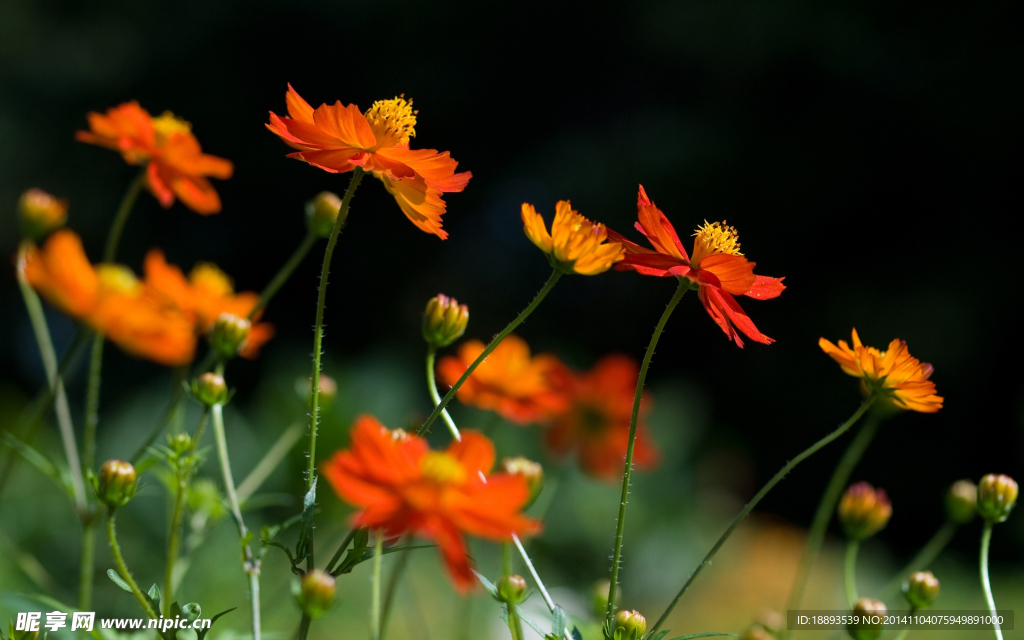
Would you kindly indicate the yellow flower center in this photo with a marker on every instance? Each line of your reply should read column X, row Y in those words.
column 393, row 121
column 168, row 124
column 117, row 278
column 715, row 238
column 442, row 468
column 208, row 277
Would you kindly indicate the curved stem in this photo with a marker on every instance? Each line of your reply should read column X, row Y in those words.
column 389, row 592
column 850, row 571
column 924, row 558
column 620, row 525
column 121, row 217
column 827, row 506
column 341, row 549
column 537, row 299
column 123, row 568
column 986, row 538
column 375, row 610
column 174, row 539
column 789, row 466
column 286, row 271
column 436, row 397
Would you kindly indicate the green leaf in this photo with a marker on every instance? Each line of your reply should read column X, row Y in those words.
column 201, row 633
column 191, row 611
column 576, row 635
column 154, row 597
column 118, row 580
column 308, row 506
column 488, row 585
column 558, row 621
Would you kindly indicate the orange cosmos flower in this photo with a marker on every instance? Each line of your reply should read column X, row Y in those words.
column 400, row 485
column 175, row 163
column 716, row 269
column 893, row 374
column 575, row 244
column 204, row 295
column 340, row 138
column 109, row 299
column 509, row 382
column 596, row 423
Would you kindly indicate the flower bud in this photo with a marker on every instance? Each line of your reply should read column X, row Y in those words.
column 210, row 389
column 180, row 443
column 962, row 501
column 633, row 625
column 921, row 589
column 444, row 321
column 530, row 471
column 867, row 629
column 116, row 483
column 511, row 589
column 316, row 593
column 14, row 634
column 863, row 511
column 322, row 212
column 997, row 494
column 599, row 600
column 41, row 213
column 228, row 335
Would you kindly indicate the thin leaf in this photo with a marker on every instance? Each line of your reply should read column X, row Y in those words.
column 488, row 585
column 118, row 580
column 201, row 633
column 658, row 636
column 558, row 621
column 154, row 597
column 308, row 505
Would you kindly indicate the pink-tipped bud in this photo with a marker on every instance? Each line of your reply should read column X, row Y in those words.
column 962, row 501
column 316, row 593
column 864, row 511
column 210, row 389
column 997, row 495
column 511, row 589
column 322, row 213
column 41, row 213
column 633, row 625
column 869, row 614
column 921, row 589
column 228, row 335
column 444, row 321
column 116, row 483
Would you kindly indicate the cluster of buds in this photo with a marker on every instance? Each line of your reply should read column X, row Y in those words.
column 863, row 511
column 511, row 589
column 41, row 213
column 116, row 483
column 962, row 501
column 866, row 611
column 322, row 213
column 530, row 471
column 210, row 389
column 315, row 593
column 444, row 321
column 921, row 589
column 629, row 625
column 997, row 495
column 228, row 335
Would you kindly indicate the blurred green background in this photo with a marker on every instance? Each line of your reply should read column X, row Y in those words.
column 868, row 152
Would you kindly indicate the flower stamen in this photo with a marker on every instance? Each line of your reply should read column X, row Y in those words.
column 715, row 238
column 394, row 119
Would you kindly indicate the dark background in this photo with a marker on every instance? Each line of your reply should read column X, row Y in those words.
column 869, row 152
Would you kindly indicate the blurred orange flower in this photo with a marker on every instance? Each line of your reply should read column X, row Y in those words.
column 403, row 486
column 716, row 269
column 175, row 163
column 893, row 374
column 596, row 423
column 340, row 138
column 509, row 382
column 204, row 295
column 109, row 299
column 575, row 244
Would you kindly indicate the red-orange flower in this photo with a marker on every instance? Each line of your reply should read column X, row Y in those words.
column 522, row 389
column 175, row 163
column 108, row 298
column 340, row 138
column 203, row 296
column 893, row 374
column 716, row 269
column 596, row 423
column 402, row 486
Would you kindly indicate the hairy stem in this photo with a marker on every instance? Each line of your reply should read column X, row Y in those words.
column 620, row 525
column 986, row 539
column 436, row 397
column 184, row 476
column 126, row 575
column 850, row 571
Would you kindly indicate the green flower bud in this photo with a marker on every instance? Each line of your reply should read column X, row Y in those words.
column 322, row 212
column 511, row 589
column 962, row 501
column 867, row 629
column 228, row 335
column 316, row 593
column 599, row 597
column 210, row 389
column 997, row 494
column 632, row 624
column 116, row 483
column 444, row 321
column 921, row 589
column 41, row 213
column 863, row 511
column 179, row 443
column 529, row 470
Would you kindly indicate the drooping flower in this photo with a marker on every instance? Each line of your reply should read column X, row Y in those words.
column 893, row 374
column 520, row 388
column 596, row 423
column 175, row 163
column 204, row 296
column 716, row 269
column 339, row 138
column 575, row 244
column 401, row 486
column 109, row 299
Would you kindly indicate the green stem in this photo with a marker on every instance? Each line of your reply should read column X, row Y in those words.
column 536, row 579
column 903, row 634
column 627, row 473
column 266, row 466
column 827, row 506
column 174, row 539
column 389, row 592
column 514, row 625
column 436, row 397
column 250, row 565
column 986, row 539
column 789, row 466
column 286, row 271
column 121, row 217
column 924, row 558
column 87, row 565
column 341, row 549
column 545, row 290
column 375, row 608
column 126, row 575
column 850, row 571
